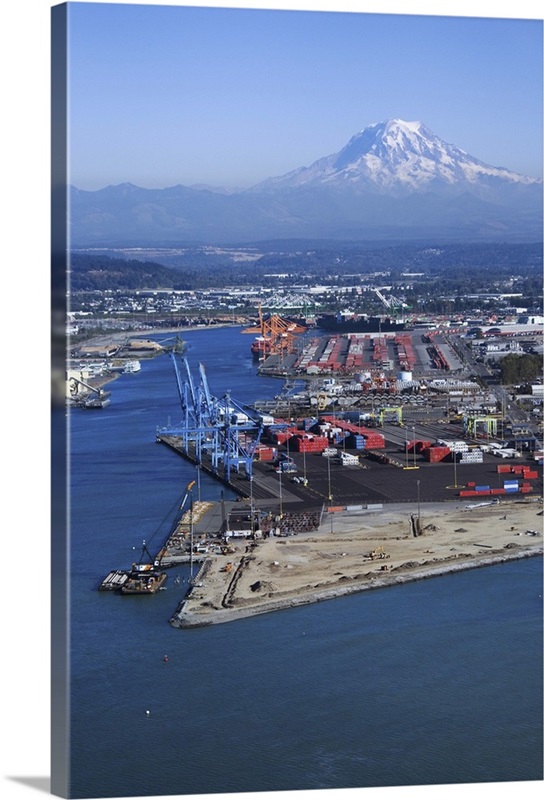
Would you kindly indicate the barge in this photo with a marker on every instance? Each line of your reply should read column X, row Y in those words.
column 141, row 579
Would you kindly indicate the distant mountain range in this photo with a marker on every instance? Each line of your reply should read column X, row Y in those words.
column 393, row 180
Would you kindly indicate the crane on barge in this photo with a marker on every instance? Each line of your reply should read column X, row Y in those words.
column 147, row 576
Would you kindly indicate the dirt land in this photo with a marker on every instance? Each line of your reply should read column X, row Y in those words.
column 359, row 551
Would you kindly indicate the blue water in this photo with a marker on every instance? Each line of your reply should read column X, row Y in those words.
column 429, row 683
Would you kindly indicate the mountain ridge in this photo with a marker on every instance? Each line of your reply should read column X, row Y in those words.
column 397, row 152
column 392, row 179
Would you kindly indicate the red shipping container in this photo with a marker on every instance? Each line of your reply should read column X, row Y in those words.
column 266, row 454
column 436, row 454
column 422, row 445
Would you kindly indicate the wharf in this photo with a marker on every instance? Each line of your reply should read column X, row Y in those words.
column 202, row 520
column 263, row 486
column 372, row 549
column 388, row 480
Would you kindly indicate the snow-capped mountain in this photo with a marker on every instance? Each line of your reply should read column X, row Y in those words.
column 395, row 157
column 392, row 180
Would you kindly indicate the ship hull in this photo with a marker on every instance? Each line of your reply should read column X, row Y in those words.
column 361, row 325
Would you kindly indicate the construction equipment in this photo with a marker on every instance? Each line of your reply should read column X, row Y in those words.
column 378, row 553
column 473, row 425
column 391, row 413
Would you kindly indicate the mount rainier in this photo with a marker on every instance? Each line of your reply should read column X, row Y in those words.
column 393, row 180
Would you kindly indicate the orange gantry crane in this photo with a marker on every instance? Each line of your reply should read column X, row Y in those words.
column 274, row 335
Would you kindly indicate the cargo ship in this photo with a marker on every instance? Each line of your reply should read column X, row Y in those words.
column 359, row 323
column 260, row 347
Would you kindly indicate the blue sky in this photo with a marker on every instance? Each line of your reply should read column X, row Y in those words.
column 161, row 95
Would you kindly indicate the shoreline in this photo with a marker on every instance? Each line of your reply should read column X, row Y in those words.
column 280, row 573
column 186, row 619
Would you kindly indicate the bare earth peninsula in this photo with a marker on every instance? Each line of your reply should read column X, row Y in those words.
column 354, row 552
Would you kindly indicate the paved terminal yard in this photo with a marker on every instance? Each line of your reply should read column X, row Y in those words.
column 409, row 478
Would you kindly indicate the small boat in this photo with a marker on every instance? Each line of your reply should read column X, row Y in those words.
column 132, row 366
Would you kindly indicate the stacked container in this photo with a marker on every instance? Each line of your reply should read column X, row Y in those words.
column 471, row 457
column 436, row 453
column 263, row 453
column 304, row 443
column 405, row 351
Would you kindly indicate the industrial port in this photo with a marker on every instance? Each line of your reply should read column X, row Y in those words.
column 364, row 421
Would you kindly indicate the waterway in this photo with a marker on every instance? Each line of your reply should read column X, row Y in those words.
column 437, row 682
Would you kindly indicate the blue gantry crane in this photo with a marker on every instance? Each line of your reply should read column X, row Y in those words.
column 220, row 431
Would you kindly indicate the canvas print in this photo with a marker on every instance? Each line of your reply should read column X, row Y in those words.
column 297, row 400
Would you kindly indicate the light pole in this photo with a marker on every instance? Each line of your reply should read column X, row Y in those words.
column 191, row 532
column 330, row 490
column 251, row 502
column 418, row 502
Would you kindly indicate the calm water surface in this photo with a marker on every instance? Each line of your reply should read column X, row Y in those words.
column 432, row 682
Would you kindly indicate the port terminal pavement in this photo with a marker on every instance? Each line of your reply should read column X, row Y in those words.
column 409, row 479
